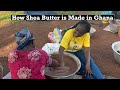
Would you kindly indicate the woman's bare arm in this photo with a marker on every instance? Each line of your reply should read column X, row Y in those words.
column 61, row 55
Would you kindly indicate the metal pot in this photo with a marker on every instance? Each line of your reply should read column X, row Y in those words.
column 77, row 61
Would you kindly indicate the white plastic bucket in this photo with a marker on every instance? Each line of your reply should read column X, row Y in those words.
column 115, row 48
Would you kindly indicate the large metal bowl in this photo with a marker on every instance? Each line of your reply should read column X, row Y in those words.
column 77, row 61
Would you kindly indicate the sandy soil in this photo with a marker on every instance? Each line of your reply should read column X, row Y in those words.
column 101, row 42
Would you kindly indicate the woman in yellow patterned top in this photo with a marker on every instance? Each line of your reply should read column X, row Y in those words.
column 77, row 41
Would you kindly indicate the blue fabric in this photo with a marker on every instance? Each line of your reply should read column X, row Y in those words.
column 95, row 70
column 23, row 37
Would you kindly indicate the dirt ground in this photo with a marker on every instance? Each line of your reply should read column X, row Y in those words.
column 101, row 41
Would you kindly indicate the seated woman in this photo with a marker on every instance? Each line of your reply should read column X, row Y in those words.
column 77, row 41
column 28, row 62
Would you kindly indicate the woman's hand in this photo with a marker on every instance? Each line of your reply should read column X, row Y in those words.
column 55, row 63
column 88, row 69
column 61, row 55
column 87, row 66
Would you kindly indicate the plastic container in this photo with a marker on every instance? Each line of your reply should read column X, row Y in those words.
column 116, row 48
column 105, row 22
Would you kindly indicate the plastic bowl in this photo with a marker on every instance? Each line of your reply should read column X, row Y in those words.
column 115, row 48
